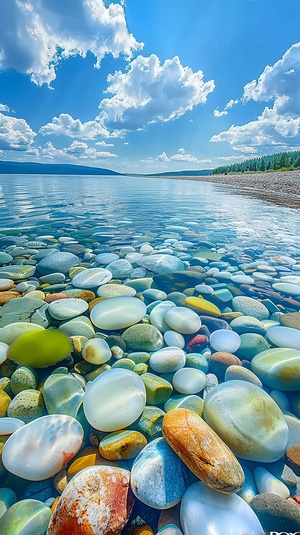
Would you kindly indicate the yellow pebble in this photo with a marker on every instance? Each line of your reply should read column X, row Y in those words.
column 202, row 306
column 141, row 530
column 4, row 402
column 61, row 481
column 54, row 505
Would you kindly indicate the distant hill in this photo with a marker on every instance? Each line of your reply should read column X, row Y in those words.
column 32, row 168
column 201, row 172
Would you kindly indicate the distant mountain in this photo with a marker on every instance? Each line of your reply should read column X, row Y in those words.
column 32, row 168
column 201, row 172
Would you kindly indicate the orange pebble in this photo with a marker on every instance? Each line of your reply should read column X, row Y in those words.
column 54, row 297
column 7, row 296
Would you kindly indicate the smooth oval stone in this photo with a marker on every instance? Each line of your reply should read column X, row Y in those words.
column 158, row 477
column 247, row 324
column 172, row 338
column 182, row 320
column 191, row 402
column 118, row 313
column 120, row 269
column 248, row 421
column 96, row 351
column 10, row 425
column 114, row 400
column 57, row 262
column 122, row 445
column 22, row 378
column 41, row 448
column 251, row 345
column 26, row 517
column 40, row 348
column 97, row 501
column 79, row 326
column 17, row 273
column 276, row 514
column 202, row 450
column 63, row 394
column 287, row 288
column 91, row 278
column 278, row 368
column 284, row 337
column 189, row 380
column 225, row 340
column 11, row 332
column 239, row 373
column 153, row 295
column 66, row 309
column 202, row 306
column 267, row 483
column 167, row 360
column 208, row 512
column 161, row 263
column 6, row 284
column 143, row 337
column 242, row 279
column 197, row 360
column 106, row 258
column 115, row 290
column 157, row 315
column 250, row 307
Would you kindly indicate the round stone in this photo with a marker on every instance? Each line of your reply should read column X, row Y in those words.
column 225, row 340
column 284, row 337
column 6, row 284
column 41, row 448
column 161, row 263
column 158, row 477
column 182, row 320
column 114, row 400
column 57, row 262
column 248, row 421
column 189, row 381
column 96, row 351
column 276, row 514
column 23, row 378
column 206, row 511
column 63, row 394
column 106, row 258
column 10, row 425
column 118, row 313
column 237, row 372
column 172, row 338
column 27, row 405
column 278, row 368
column 287, row 288
column 242, row 279
column 115, row 290
column 92, row 278
column 167, row 360
column 250, row 307
column 120, row 269
column 143, row 337
column 66, row 309
column 122, row 445
column 219, row 362
column 157, row 315
column 247, row 324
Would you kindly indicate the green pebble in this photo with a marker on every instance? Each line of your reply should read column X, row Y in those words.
column 139, row 357
column 251, row 345
column 127, row 364
column 140, row 368
column 150, row 421
column 140, row 285
column 22, row 379
column 143, row 337
column 40, row 348
column 26, row 517
column 158, row 390
column 80, row 326
column 198, row 361
column 27, row 405
column 178, row 298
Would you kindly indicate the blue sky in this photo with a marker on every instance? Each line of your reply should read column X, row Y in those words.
column 148, row 86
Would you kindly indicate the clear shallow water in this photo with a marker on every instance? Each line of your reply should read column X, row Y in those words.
column 134, row 206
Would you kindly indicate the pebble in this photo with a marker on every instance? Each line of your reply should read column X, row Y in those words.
column 161, row 263
column 114, row 400
column 179, row 401
column 275, row 513
column 56, row 262
column 189, row 380
column 172, row 338
column 206, row 511
column 182, row 320
column 97, row 500
column 27, row 405
column 237, row 372
column 167, row 360
column 262, row 433
column 41, row 448
column 31, row 516
column 286, row 337
column 10, row 425
column 247, row 324
column 158, row 477
column 219, row 363
column 225, row 340
column 91, row 278
column 202, row 306
column 267, row 483
column 96, row 351
column 63, row 394
column 142, row 337
column 6, row 284
column 115, row 290
column 250, row 307
column 122, row 445
column 117, row 313
column 66, row 309
column 202, row 451
column 278, row 368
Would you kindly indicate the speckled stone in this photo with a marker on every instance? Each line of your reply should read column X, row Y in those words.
column 27, row 406
column 143, row 337
column 250, row 307
column 122, row 445
column 158, row 477
column 275, row 513
column 57, row 262
column 115, row 290
column 290, row 320
column 22, row 379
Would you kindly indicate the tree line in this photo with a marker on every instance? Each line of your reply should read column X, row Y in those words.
column 273, row 162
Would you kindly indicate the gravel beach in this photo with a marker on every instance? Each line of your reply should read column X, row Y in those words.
column 279, row 187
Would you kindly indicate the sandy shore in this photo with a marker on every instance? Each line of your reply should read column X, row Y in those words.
column 280, row 188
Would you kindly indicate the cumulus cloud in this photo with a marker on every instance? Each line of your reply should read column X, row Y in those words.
column 181, row 156
column 218, row 113
column 278, row 125
column 65, row 125
column 15, row 134
column 36, row 34
column 104, row 144
column 150, row 92
column 4, row 108
column 77, row 150
column 231, row 103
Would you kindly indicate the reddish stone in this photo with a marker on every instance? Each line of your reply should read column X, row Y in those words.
column 54, row 297
column 220, row 361
column 197, row 343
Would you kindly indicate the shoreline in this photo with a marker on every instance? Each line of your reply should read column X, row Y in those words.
column 281, row 188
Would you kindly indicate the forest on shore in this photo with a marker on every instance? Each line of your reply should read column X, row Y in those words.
column 285, row 161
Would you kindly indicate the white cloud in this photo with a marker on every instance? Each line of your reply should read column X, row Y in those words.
column 277, row 126
column 104, row 144
column 218, row 113
column 77, row 150
column 181, row 156
column 36, row 34
column 126, row 143
column 15, row 134
column 231, row 103
column 65, row 125
column 4, row 107
column 149, row 92
column 230, row 158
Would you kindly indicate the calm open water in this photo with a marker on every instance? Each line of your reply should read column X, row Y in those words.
column 134, row 206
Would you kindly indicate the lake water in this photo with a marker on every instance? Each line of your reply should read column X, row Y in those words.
column 130, row 206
